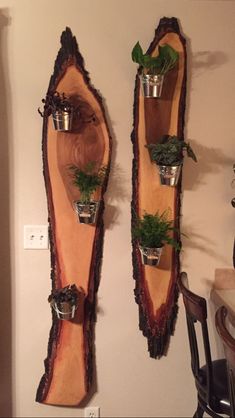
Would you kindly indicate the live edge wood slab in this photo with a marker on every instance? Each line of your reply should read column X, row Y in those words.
column 156, row 291
column 76, row 249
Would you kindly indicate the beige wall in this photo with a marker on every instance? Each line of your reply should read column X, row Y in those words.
column 129, row 382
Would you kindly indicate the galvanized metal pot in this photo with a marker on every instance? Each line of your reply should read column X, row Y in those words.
column 152, row 85
column 64, row 310
column 169, row 175
column 62, row 120
column 150, row 256
column 87, row 212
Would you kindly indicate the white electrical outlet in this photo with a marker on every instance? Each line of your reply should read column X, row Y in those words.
column 35, row 237
column 92, row 412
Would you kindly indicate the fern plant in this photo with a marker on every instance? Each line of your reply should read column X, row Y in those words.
column 170, row 151
column 164, row 62
column 88, row 180
column 153, row 231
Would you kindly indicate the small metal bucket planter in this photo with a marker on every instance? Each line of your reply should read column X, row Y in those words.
column 169, row 175
column 87, row 212
column 62, row 120
column 150, row 256
column 64, row 310
column 152, row 85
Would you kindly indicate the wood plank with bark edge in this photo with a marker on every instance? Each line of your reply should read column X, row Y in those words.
column 76, row 249
column 155, row 290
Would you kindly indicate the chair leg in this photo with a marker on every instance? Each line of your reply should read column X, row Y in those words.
column 199, row 412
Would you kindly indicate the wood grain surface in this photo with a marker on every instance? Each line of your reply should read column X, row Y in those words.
column 155, row 291
column 76, row 249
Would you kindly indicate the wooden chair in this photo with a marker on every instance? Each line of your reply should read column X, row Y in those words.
column 229, row 350
column 211, row 379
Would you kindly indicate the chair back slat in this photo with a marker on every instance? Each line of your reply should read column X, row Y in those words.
column 229, row 350
column 193, row 346
column 196, row 311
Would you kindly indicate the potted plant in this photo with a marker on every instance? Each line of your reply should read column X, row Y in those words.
column 87, row 180
column 168, row 154
column 153, row 69
column 64, row 301
column 152, row 232
column 61, row 108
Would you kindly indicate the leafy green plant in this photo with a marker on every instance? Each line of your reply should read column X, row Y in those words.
column 164, row 62
column 66, row 294
column 170, row 151
column 56, row 102
column 88, row 180
column 153, row 231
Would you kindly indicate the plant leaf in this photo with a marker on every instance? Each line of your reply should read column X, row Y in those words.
column 166, row 52
column 191, row 153
column 137, row 54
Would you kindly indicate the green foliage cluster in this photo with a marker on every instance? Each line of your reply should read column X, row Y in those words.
column 164, row 62
column 169, row 151
column 66, row 294
column 88, row 180
column 153, row 231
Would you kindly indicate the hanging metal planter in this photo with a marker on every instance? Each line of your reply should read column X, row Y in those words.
column 62, row 120
column 87, row 212
column 152, row 85
column 150, row 256
column 64, row 310
column 169, row 175
column 64, row 301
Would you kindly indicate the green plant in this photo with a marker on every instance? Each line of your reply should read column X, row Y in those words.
column 66, row 294
column 88, row 180
column 164, row 62
column 56, row 102
column 169, row 151
column 153, row 231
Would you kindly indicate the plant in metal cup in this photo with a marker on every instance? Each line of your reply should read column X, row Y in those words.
column 61, row 108
column 152, row 232
column 87, row 180
column 64, row 301
column 153, row 69
column 168, row 154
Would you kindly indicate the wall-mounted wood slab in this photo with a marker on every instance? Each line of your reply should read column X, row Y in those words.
column 156, row 292
column 76, row 249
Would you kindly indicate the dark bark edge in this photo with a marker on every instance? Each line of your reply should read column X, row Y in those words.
column 157, row 332
column 67, row 55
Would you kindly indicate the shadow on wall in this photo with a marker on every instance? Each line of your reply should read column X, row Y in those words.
column 5, row 269
column 206, row 61
column 200, row 242
column 210, row 161
column 117, row 184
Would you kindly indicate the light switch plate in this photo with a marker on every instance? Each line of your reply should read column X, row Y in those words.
column 35, row 237
column 92, row 412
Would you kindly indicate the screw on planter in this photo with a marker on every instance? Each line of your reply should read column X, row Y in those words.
column 150, row 256
column 87, row 212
